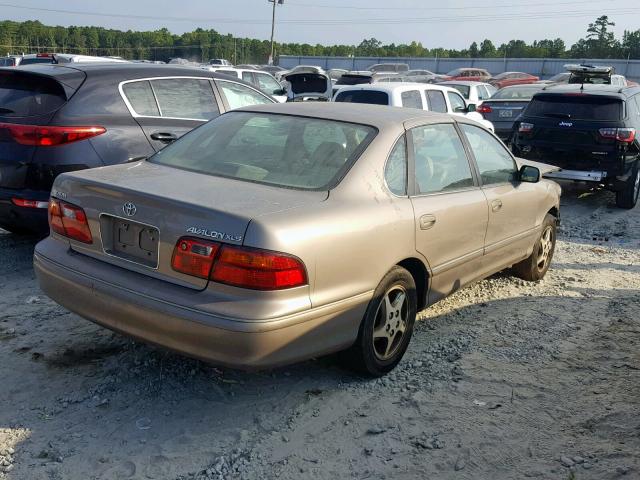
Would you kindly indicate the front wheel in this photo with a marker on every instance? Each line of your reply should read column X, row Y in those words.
column 387, row 325
column 535, row 266
column 628, row 196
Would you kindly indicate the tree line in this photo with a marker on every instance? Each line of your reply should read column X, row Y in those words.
column 201, row 45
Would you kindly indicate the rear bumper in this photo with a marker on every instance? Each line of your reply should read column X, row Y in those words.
column 167, row 321
column 23, row 218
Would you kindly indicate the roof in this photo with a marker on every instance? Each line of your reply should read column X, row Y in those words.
column 591, row 89
column 391, row 87
column 464, row 82
column 379, row 116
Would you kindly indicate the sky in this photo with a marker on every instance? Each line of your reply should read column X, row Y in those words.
column 447, row 24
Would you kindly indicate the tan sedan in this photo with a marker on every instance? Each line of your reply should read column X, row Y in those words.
column 278, row 233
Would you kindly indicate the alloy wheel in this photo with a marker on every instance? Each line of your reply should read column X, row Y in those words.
column 390, row 323
column 546, row 245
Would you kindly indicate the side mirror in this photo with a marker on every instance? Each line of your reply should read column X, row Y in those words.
column 529, row 174
column 471, row 107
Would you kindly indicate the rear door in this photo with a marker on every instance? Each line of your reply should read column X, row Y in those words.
column 450, row 209
column 167, row 108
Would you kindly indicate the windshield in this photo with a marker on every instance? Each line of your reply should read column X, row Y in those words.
column 582, row 107
column 363, row 96
column 515, row 93
column 455, row 73
column 560, row 77
column 281, row 150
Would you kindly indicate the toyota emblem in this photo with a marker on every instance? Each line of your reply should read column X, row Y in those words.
column 129, row 209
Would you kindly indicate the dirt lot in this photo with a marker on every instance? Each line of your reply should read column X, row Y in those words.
column 504, row 380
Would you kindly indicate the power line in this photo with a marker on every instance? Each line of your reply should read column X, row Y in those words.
column 360, row 21
column 350, row 7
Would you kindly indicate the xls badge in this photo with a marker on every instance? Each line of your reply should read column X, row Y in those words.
column 213, row 234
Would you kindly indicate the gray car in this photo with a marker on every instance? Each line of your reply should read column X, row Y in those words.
column 277, row 233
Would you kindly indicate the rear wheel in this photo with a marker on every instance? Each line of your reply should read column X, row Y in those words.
column 628, row 196
column 535, row 266
column 387, row 325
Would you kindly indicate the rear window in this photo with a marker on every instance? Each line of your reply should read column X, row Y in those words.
column 29, row 95
column 519, row 93
column 281, row 150
column 31, row 61
column 582, row 107
column 363, row 96
column 347, row 79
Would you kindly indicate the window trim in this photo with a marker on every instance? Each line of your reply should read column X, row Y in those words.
column 405, row 135
column 133, row 112
column 411, row 172
column 472, row 156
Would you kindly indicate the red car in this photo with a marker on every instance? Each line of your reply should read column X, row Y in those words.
column 507, row 79
column 469, row 74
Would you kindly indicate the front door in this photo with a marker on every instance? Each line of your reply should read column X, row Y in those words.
column 450, row 209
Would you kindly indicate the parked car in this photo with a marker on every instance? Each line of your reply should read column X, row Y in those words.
column 470, row 74
column 590, row 132
column 423, row 76
column 272, row 69
column 230, row 244
column 473, row 92
column 38, row 58
column 220, row 62
column 557, row 78
column 389, row 67
column 336, row 73
column 507, row 79
column 261, row 80
column 504, row 106
column 308, row 83
column 433, row 98
column 56, row 118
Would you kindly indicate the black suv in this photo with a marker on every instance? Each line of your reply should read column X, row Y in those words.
column 587, row 130
column 60, row 118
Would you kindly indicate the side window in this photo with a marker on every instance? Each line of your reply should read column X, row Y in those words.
column 483, row 94
column 267, row 83
column 494, row 162
column 411, row 99
column 248, row 77
column 240, row 96
column 441, row 163
column 186, row 98
column 436, row 101
column 140, row 96
column 395, row 172
column 457, row 102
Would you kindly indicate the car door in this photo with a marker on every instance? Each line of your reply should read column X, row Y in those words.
column 167, row 108
column 513, row 205
column 451, row 212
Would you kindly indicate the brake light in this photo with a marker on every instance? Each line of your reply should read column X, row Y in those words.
column 43, row 136
column 22, row 202
column 624, row 135
column 243, row 267
column 484, row 109
column 69, row 220
column 192, row 256
column 525, row 127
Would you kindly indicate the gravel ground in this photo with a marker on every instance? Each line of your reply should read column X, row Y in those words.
column 503, row 380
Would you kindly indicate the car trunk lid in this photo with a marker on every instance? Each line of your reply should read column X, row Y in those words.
column 309, row 83
column 138, row 211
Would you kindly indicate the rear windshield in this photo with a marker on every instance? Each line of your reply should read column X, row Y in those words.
column 281, row 150
column 463, row 89
column 29, row 95
column 347, row 79
column 454, row 73
column 516, row 93
column 30, row 61
column 363, row 96
column 579, row 107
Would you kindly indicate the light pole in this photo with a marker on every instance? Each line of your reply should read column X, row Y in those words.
column 273, row 26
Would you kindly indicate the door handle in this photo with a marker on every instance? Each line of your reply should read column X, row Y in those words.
column 496, row 205
column 164, row 137
column 427, row 221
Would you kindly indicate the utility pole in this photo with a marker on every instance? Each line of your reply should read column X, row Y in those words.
column 273, row 26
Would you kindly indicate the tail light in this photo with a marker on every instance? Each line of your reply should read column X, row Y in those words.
column 238, row 266
column 525, row 127
column 43, row 136
column 623, row 135
column 23, row 202
column 69, row 220
column 484, row 109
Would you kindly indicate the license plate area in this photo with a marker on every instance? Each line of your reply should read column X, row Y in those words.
column 131, row 241
column 505, row 113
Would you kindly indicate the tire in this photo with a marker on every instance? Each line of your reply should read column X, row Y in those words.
column 384, row 337
column 535, row 266
column 628, row 196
